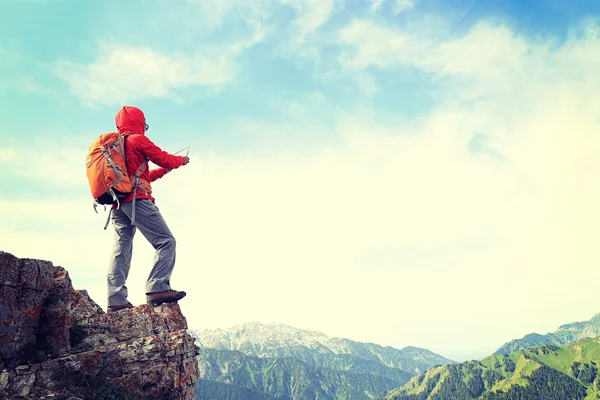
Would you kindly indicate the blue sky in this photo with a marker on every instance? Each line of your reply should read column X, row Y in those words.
column 422, row 169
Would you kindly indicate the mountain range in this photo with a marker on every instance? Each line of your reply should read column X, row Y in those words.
column 548, row 372
column 564, row 335
column 559, row 365
column 288, row 363
column 278, row 362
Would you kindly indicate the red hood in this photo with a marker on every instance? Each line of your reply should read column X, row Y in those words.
column 130, row 119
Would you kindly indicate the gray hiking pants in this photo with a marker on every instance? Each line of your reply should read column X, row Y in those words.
column 154, row 228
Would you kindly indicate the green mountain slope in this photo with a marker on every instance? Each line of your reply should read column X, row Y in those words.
column 546, row 373
column 211, row 390
column 564, row 335
column 331, row 377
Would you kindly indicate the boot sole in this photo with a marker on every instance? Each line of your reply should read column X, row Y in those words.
column 155, row 303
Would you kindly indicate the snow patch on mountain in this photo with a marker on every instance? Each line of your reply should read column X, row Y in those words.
column 279, row 340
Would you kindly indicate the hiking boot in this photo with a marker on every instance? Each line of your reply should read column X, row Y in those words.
column 167, row 296
column 119, row 308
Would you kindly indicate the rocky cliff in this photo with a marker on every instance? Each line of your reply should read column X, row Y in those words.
column 56, row 342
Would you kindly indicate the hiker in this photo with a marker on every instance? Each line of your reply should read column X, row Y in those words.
column 147, row 218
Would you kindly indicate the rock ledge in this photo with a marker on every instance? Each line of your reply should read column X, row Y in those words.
column 57, row 343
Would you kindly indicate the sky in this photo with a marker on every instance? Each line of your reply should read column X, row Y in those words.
column 402, row 172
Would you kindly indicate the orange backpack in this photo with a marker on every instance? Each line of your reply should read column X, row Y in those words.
column 107, row 170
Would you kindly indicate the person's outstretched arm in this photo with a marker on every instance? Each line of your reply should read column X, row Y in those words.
column 161, row 158
column 160, row 172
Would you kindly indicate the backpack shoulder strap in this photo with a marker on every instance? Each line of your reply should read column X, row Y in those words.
column 136, row 181
column 123, row 137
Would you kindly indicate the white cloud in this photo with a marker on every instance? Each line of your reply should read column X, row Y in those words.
column 412, row 218
column 403, row 5
column 25, row 85
column 51, row 161
column 214, row 12
column 375, row 4
column 489, row 61
column 311, row 14
column 253, row 14
column 409, row 218
column 371, row 44
column 398, row 7
column 123, row 73
column 259, row 32
column 540, row 117
column 28, row 85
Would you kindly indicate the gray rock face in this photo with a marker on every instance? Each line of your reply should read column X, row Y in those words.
column 56, row 342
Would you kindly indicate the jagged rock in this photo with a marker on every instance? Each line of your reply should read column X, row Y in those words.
column 56, row 342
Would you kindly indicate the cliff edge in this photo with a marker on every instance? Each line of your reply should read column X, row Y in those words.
column 57, row 343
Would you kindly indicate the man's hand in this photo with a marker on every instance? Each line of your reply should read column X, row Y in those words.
column 186, row 160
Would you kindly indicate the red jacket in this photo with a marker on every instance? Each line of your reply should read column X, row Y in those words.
column 139, row 148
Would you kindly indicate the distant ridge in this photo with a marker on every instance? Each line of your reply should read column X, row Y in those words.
column 564, row 335
column 279, row 340
column 285, row 363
